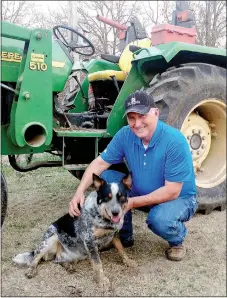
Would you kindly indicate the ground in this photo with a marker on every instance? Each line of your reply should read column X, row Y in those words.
column 37, row 198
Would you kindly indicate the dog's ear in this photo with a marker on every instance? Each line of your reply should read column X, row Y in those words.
column 97, row 181
column 127, row 180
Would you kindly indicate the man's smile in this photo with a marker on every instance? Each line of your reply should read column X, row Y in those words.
column 141, row 129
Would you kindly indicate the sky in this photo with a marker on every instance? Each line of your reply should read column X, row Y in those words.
column 50, row 4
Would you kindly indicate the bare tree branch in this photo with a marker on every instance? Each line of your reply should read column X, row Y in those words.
column 210, row 18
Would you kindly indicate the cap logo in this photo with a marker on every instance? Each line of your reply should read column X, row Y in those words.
column 133, row 102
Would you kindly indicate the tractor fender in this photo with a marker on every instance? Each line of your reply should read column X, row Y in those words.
column 160, row 57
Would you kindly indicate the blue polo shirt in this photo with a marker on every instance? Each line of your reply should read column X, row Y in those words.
column 167, row 157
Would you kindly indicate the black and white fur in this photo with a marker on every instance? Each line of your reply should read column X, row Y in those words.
column 70, row 239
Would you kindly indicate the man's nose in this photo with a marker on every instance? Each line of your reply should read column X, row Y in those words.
column 137, row 123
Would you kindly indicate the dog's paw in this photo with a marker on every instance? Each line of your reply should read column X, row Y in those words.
column 71, row 270
column 104, row 284
column 31, row 272
column 69, row 267
column 74, row 291
column 130, row 263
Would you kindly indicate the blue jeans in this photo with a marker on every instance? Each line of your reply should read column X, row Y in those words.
column 165, row 220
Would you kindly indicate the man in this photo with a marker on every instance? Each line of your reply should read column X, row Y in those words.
column 160, row 161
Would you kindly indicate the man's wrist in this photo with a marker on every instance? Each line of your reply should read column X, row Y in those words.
column 131, row 203
column 79, row 191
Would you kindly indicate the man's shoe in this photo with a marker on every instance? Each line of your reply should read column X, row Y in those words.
column 176, row 253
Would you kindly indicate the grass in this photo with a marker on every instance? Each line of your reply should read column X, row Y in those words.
column 39, row 197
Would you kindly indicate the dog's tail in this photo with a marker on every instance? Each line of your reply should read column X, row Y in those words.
column 24, row 259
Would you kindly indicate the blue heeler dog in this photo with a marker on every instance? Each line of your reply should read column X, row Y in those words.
column 70, row 239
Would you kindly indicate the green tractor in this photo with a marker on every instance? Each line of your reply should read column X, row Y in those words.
column 52, row 103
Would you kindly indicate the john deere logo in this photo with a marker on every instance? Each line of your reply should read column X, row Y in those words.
column 11, row 57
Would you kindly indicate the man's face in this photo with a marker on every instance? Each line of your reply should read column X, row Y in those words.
column 143, row 126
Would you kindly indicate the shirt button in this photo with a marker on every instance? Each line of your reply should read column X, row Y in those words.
column 144, row 163
column 145, row 154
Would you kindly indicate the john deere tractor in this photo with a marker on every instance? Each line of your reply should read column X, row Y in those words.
column 52, row 103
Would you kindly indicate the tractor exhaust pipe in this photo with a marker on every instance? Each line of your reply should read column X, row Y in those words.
column 34, row 134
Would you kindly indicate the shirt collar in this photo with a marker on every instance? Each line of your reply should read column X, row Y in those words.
column 154, row 138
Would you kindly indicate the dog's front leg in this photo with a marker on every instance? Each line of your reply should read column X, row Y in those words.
column 126, row 260
column 93, row 252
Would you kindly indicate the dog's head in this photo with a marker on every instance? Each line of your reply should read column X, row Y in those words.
column 112, row 198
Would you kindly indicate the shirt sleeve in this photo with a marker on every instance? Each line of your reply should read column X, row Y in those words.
column 178, row 164
column 114, row 152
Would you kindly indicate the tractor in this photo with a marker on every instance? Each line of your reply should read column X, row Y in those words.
column 52, row 103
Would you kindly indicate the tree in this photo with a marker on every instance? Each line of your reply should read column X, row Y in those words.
column 50, row 18
column 20, row 12
column 210, row 19
column 105, row 37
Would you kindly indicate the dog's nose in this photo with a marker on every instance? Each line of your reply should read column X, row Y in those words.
column 115, row 213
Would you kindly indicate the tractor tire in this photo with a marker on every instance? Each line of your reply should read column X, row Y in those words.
column 4, row 198
column 192, row 98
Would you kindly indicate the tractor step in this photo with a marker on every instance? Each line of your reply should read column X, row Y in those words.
column 76, row 167
column 81, row 132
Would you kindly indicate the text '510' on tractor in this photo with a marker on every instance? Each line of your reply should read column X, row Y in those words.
column 51, row 103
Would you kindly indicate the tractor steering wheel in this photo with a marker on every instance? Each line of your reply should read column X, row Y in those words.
column 73, row 45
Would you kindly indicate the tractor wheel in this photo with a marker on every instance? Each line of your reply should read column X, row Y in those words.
column 192, row 98
column 4, row 198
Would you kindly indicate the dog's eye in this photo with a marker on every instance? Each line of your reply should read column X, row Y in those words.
column 102, row 199
column 122, row 199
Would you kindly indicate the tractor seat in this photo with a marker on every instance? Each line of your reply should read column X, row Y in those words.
column 124, row 63
column 110, row 58
column 107, row 75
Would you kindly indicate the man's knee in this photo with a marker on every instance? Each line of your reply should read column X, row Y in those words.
column 166, row 226
column 160, row 224
column 154, row 222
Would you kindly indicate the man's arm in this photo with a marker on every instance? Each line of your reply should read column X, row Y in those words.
column 114, row 153
column 170, row 191
column 97, row 166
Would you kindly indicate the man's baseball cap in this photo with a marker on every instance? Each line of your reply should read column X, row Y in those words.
column 139, row 102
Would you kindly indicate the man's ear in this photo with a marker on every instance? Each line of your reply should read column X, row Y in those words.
column 127, row 180
column 97, row 181
column 157, row 112
column 154, row 112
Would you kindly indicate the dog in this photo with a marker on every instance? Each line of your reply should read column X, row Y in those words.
column 70, row 239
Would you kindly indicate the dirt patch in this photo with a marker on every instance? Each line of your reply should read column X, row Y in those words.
column 38, row 198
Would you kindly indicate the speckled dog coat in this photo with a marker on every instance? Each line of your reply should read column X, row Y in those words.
column 70, row 239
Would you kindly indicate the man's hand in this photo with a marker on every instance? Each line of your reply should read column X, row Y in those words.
column 130, row 204
column 77, row 200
